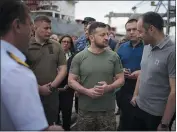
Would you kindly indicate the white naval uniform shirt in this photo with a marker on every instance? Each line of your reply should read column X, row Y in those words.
column 21, row 107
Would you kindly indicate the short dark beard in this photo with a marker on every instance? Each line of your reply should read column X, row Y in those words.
column 100, row 46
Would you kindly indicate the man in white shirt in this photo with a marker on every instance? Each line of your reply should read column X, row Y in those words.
column 21, row 107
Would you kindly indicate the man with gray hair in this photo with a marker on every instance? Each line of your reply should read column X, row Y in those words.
column 83, row 41
column 21, row 108
column 54, row 37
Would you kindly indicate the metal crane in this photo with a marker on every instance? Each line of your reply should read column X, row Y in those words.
column 116, row 15
column 171, row 13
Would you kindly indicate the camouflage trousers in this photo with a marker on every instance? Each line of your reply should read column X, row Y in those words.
column 96, row 121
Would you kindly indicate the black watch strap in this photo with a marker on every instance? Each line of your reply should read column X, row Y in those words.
column 51, row 88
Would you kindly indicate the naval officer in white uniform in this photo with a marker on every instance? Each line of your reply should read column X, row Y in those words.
column 21, row 108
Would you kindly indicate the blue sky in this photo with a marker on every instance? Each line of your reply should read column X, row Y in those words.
column 98, row 9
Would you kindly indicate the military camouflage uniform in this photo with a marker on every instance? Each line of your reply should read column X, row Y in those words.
column 96, row 121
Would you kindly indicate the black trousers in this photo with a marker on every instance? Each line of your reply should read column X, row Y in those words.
column 50, row 105
column 144, row 121
column 65, row 106
column 118, row 95
column 126, row 114
column 126, row 108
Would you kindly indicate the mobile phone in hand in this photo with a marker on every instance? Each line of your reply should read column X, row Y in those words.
column 129, row 70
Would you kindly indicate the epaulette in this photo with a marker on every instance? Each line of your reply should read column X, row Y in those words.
column 17, row 59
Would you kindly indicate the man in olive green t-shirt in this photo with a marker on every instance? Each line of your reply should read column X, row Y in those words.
column 95, row 73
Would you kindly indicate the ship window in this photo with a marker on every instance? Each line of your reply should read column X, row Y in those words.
column 44, row 13
column 62, row 16
column 57, row 15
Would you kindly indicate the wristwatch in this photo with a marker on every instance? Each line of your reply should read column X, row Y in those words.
column 163, row 125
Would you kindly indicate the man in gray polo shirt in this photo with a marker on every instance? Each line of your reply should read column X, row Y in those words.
column 155, row 89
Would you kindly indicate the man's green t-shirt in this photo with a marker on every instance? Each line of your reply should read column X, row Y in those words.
column 93, row 68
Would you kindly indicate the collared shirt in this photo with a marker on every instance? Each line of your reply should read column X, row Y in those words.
column 131, row 56
column 45, row 59
column 157, row 66
column 81, row 43
column 21, row 108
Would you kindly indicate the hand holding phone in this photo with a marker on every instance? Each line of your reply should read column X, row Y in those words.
column 127, row 71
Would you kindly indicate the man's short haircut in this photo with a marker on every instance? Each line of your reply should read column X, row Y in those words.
column 130, row 21
column 152, row 18
column 95, row 25
column 132, row 18
column 41, row 18
column 9, row 11
column 109, row 27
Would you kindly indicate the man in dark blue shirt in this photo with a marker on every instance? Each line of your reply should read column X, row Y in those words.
column 130, row 54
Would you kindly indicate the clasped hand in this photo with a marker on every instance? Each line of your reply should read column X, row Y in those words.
column 98, row 90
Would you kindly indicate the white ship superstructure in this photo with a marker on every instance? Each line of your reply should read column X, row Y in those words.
column 64, row 9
